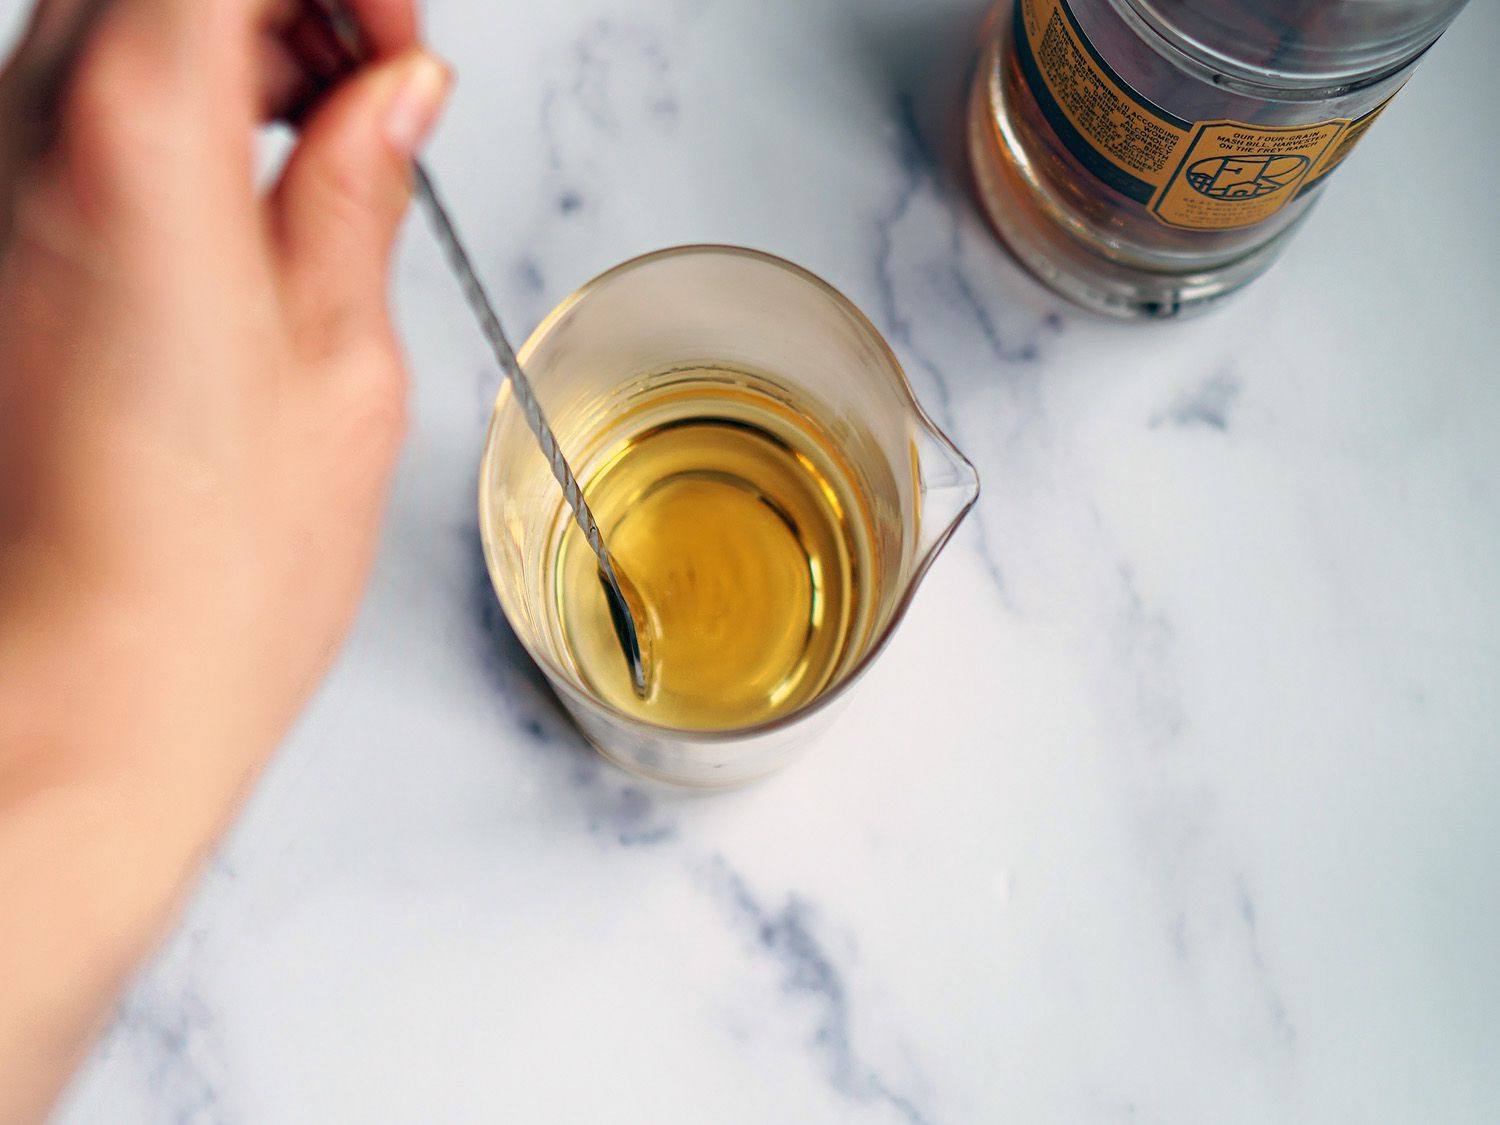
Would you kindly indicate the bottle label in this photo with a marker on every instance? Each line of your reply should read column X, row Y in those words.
column 1196, row 175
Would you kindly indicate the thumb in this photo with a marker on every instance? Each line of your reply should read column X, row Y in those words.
column 344, row 190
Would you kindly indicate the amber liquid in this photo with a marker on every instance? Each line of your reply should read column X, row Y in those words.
column 740, row 526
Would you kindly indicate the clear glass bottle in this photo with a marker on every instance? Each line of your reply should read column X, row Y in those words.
column 1146, row 157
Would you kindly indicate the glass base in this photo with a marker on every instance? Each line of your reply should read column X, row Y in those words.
column 1037, row 231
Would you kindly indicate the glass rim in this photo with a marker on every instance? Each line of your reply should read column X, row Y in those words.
column 560, row 678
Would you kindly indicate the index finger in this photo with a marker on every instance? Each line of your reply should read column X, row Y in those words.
column 315, row 44
column 226, row 29
column 390, row 26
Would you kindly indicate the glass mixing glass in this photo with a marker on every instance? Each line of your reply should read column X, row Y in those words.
column 608, row 365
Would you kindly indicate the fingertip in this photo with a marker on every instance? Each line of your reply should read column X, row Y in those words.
column 420, row 92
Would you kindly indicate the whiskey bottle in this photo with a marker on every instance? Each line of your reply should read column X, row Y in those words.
column 1146, row 157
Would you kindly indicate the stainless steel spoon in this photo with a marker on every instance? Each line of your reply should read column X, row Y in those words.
column 626, row 613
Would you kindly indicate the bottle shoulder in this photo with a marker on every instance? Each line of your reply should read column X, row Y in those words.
column 1290, row 47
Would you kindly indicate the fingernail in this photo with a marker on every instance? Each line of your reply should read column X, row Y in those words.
column 418, row 101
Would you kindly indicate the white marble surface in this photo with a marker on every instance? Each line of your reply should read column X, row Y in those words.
column 1177, row 799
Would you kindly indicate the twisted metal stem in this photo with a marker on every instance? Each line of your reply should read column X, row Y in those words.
column 333, row 47
column 489, row 323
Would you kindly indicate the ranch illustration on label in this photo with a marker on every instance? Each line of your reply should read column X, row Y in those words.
column 1244, row 177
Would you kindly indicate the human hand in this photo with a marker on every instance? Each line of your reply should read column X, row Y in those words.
column 201, row 402
column 201, row 396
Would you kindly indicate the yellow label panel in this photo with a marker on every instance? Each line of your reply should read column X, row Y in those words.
column 1132, row 134
column 1197, row 175
column 1233, row 175
column 1335, row 154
